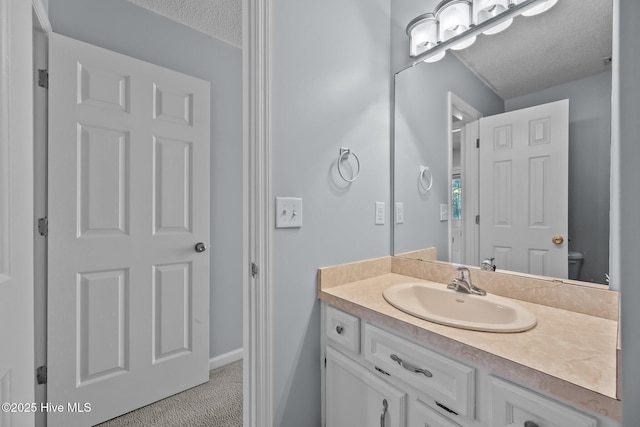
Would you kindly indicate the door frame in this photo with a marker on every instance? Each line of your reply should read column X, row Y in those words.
column 41, row 24
column 468, row 167
column 258, row 215
column 16, row 240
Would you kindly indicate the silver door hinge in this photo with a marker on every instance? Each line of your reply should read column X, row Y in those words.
column 254, row 269
column 477, row 219
column 43, row 78
column 41, row 374
column 478, row 143
column 43, row 226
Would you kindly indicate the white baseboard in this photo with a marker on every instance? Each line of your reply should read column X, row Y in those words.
column 225, row 359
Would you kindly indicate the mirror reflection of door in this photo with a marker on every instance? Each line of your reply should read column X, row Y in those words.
column 524, row 157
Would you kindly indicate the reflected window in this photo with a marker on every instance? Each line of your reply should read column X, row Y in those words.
column 456, row 197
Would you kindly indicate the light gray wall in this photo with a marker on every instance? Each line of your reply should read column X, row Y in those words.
column 122, row 27
column 589, row 165
column 420, row 138
column 330, row 89
column 628, row 174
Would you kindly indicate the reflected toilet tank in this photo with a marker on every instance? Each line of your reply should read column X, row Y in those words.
column 575, row 264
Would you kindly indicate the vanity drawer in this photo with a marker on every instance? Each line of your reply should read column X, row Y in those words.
column 343, row 330
column 512, row 406
column 449, row 383
column 421, row 415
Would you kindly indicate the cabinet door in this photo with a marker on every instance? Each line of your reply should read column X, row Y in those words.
column 355, row 397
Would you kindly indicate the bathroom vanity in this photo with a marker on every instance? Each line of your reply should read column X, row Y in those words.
column 382, row 366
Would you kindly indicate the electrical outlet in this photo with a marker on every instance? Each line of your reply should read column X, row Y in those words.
column 379, row 213
column 399, row 213
column 288, row 212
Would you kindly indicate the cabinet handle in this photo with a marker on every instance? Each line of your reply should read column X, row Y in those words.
column 383, row 416
column 530, row 424
column 339, row 329
column 410, row 367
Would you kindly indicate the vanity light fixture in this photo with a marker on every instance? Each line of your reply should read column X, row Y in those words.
column 454, row 18
column 455, row 24
column 423, row 32
column 487, row 9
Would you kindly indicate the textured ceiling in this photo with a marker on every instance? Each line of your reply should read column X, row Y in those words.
column 565, row 43
column 221, row 19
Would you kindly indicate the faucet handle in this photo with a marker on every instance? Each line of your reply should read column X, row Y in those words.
column 487, row 264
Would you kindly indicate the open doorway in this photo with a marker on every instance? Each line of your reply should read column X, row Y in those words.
column 220, row 62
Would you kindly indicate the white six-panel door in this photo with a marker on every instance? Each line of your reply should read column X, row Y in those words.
column 524, row 189
column 128, row 294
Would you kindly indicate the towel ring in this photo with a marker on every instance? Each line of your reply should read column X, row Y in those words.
column 425, row 175
column 344, row 155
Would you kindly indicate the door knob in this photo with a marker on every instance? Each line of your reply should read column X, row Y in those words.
column 200, row 247
column 557, row 240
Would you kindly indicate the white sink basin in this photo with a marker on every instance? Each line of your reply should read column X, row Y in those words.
column 435, row 303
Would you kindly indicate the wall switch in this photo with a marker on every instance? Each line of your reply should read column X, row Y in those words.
column 379, row 213
column 444, row 212
column 288, row 212
column 399, row 213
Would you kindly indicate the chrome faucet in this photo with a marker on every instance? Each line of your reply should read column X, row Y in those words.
column 463, row 283
column 488, row 265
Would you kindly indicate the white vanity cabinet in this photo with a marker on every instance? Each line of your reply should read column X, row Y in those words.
column 371, row 378
column 376, row 377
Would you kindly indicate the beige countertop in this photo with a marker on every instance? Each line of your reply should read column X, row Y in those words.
column 567, row 354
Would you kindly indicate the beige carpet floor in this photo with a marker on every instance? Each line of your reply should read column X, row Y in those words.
column 217, row 403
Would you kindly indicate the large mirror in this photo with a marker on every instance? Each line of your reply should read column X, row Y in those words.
column 450, row 195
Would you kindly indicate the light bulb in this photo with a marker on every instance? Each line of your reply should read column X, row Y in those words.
column 423, row 34
column 454, row 17
column 435, row 58
column 487, row 9
column 543, row 7
column 464, row 43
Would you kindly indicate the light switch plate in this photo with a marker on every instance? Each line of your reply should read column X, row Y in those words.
column 399, row 213
column 379, row 213
column 444, row 212
column 288, row 212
